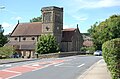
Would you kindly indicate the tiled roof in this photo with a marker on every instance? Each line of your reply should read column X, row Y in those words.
column 67, row 34
column 27, row 29
column 24, row 45
column 69, row 29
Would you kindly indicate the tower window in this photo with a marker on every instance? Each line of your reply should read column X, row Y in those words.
column 47, row 17
column 24, row 38
column 47, row 28
column 58, row 18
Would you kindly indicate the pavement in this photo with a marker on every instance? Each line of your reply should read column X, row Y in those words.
column 98, row 71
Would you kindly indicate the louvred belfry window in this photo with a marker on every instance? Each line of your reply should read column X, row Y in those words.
column 47, row 28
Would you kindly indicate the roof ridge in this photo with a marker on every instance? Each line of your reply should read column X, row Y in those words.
column 69, row 29
column 30, row 22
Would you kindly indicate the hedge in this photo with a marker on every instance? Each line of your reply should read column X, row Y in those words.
column 111, row 55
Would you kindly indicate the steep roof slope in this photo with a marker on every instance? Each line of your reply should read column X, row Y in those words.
column 27, row 29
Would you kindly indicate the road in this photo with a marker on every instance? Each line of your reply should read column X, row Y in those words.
column 53, row 68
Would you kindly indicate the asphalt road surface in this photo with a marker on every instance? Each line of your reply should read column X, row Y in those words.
column 53, row 68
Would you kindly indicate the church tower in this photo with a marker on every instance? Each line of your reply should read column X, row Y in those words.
column 52, row 21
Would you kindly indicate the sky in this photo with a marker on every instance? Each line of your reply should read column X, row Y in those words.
column 82, row 12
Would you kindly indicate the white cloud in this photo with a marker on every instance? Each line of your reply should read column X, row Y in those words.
column 8, row 11
column 100, row 3
column 7, row 32
column 65, row 26
column 79, row 18
column 109, row 3
column 6, row 25
column 76, row 5
column 70, row 26
column 16, row 18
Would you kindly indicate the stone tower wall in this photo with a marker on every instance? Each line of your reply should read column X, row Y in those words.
column 52, row 21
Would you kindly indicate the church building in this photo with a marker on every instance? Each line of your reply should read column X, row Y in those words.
column 25, row 35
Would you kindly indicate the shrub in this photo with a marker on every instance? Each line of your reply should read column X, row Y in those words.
column 111, row 54
column 90, row 49
column 83, row 49
column 47, row 44
column 6, row 51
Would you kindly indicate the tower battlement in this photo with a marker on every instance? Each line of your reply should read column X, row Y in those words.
column 51, row 8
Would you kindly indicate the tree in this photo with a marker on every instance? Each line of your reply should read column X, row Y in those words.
column 36, row 19
column 105, row 30
column 47, row 44
column 3, row 39
column 6, row 51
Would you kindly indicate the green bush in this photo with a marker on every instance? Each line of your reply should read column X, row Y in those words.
column 6, row 51
column 111, row 54
column 83, row 49
column 90, row 49
column 47, row 44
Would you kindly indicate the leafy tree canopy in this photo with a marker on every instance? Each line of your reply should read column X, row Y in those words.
column 105, row 30
column 36, row 19
column 3, row 39
column 6, row 51
column 47, row 44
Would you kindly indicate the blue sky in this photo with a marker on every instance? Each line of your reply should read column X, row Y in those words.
column 82, row 12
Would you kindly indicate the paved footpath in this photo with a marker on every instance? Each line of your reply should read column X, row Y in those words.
column 97, row 71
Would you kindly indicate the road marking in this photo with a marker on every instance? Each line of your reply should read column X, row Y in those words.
column 29, row 66
column 87, row 70
column 74, row 58
column 13, row 76
column 44, row 66
column 11, row 71
column 58, row 58
column 69, row 60
column 4, row 74
column 8, row 65
column 1, row 65
column 81, row 65
column 59, row 64
column 35, row 65
column 66, row 66
column 19, row 70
